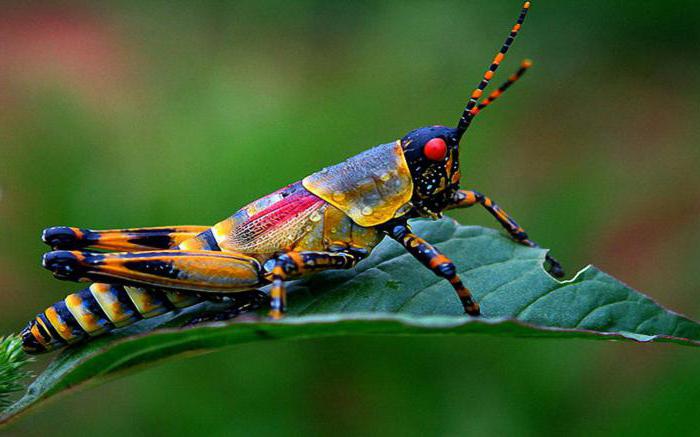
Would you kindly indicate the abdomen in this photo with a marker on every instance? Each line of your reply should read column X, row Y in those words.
column 95, row 310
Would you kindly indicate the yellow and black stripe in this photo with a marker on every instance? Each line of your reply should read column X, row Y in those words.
column 95, row 310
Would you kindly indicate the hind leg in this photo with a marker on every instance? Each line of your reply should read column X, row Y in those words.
column 203, row 271
column 122, row 240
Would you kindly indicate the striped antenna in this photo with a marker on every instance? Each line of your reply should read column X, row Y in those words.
column 471, row 108
column 524, row 65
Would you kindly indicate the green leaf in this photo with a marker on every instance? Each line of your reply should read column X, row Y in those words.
column 12, row 363
column 390, row 293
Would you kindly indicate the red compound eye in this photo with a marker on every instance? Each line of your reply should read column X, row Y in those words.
column 435, row 149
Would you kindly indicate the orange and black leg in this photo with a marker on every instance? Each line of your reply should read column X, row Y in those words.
column 467, row 198
column 192, row 270
column 438, row 263
column 293, row 264
column 126, row 240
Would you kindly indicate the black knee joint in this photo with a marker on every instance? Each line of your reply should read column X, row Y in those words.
column 63, row 264
column 397, row 231
column 446, row 270
column 521, row 236
column 287, row 264
column 62, row 237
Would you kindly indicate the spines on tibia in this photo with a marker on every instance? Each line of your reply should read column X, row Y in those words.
column 96, row 310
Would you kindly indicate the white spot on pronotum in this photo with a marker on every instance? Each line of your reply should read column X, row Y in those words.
column 367, row 210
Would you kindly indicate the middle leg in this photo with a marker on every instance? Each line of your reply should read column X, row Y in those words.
column 293, row 264
column 438, row 263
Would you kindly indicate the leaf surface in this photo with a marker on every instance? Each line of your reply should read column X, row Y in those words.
column 391, row 293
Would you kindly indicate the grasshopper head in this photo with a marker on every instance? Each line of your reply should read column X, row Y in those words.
column 432, row 155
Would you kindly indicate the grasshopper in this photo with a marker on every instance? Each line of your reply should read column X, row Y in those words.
column 331, row 219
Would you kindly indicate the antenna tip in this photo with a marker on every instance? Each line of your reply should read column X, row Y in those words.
column 526, row 63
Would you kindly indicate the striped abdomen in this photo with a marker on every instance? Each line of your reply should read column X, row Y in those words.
column 96, row 310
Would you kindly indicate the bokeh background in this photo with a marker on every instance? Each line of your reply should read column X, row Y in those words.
column 149, row 113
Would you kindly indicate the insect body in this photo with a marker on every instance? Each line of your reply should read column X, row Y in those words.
column 331, row 219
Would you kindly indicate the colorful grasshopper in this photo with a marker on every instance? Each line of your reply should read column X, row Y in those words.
column 330, row 220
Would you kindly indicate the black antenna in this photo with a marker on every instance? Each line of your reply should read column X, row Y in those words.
column 471, row 109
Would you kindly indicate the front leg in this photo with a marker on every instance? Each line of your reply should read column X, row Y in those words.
column 289, row 265
column 467, row 198
column 438, row 263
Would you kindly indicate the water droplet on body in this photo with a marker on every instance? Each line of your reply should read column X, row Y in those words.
column 315, row 216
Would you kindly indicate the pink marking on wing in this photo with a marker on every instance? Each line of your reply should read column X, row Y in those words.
column 286, row 209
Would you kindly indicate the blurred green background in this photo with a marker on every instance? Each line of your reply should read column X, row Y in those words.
column 152, row 113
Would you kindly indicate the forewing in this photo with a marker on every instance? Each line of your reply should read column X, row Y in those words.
column 272, row 223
